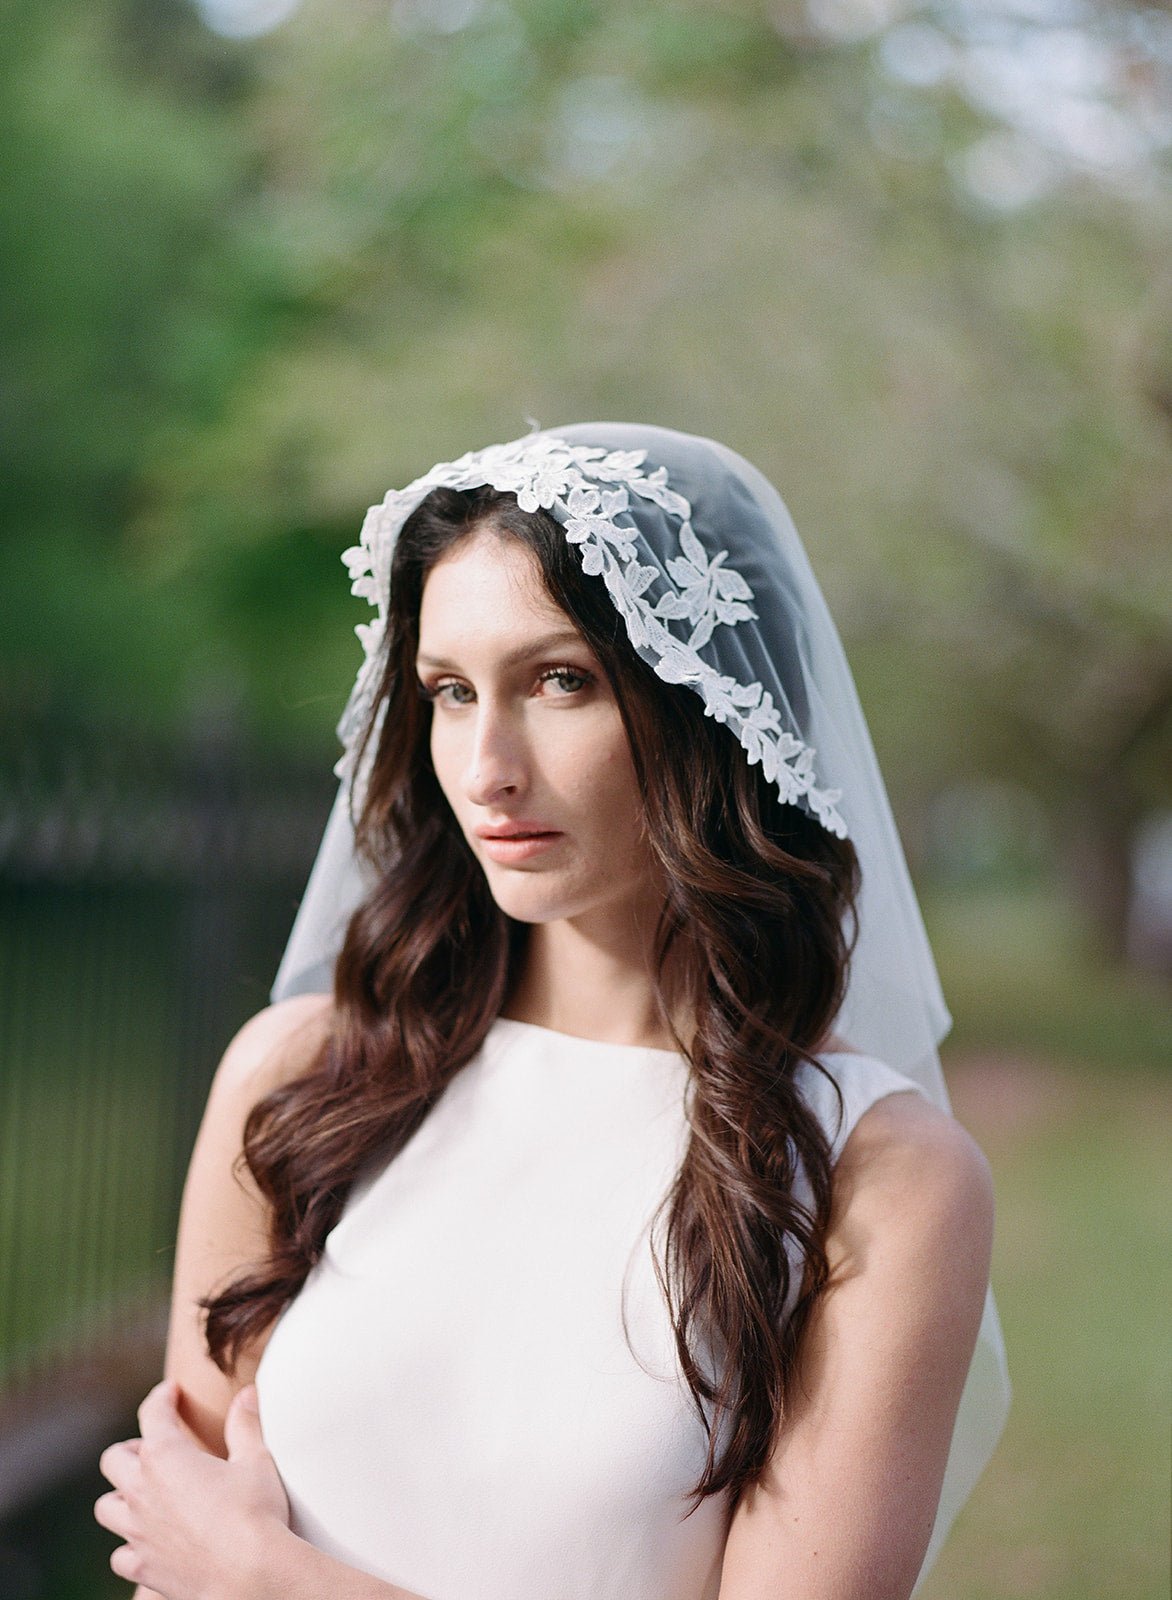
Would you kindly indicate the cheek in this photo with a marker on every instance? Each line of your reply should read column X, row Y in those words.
column 613, row 792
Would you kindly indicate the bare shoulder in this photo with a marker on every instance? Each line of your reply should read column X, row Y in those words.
column 848, row 1498
column 913, row 1172
column 275, row 1046
column 904, row 1135
column 224, row 1219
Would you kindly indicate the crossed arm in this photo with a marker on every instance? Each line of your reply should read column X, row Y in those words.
column 845, row 1508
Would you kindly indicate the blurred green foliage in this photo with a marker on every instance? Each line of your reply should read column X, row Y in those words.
column 254, row 283
column 130, row 307
column 1072, row 1504
column 251, row 284
column 1021, row 973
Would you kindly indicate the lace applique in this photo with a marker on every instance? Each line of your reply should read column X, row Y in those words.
column 587, row 489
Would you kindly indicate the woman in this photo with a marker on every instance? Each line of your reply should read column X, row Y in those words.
column 574, row 1254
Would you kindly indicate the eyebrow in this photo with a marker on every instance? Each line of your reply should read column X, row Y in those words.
column 526, row 652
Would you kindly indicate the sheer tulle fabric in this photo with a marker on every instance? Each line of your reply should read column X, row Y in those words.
column 788, row 648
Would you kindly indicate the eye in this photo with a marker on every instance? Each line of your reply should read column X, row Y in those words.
column 579, row 680
column 571, row 680
column 435, row 691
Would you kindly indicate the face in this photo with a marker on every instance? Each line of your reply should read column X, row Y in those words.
column 527, row 738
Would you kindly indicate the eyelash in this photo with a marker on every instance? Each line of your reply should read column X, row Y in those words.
column 434, row 691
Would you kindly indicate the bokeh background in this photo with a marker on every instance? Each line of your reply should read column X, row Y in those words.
column 263, row 260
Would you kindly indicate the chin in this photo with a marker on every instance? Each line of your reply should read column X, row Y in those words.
column 529, row 902
column 526, row 908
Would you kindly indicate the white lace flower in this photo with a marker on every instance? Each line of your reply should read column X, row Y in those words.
column 587, row 488
column 591, row 517
column 710, row 592
column 678, row 664
column 546, row 487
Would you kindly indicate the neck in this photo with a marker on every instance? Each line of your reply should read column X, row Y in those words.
column 592, row 978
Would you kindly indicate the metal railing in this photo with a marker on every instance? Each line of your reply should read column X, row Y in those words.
column 145, row 895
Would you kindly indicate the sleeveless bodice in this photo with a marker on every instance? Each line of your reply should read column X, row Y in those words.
column 451, row 1399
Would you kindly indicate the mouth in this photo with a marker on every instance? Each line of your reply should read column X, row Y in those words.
column 518, row 833
column 514, row 830
column 517, row 846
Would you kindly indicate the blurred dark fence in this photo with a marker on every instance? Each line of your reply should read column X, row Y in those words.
column 145, row 895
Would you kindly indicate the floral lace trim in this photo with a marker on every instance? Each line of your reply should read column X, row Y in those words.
column 587, row 488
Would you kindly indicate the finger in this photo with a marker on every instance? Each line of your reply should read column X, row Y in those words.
column 119, row 1462
column 242, row 1430
column 159, row 1411
column 112, row 1512
column 126, row 1563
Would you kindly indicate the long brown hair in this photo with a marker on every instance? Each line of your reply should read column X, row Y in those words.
column 759, row 919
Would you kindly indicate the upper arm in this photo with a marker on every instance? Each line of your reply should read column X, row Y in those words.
column 845, row 1508
column 223, row 1219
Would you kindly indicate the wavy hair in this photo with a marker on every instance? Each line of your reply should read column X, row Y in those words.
column 759, row 917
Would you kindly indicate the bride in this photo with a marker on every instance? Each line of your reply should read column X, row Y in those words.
column 585, row 1217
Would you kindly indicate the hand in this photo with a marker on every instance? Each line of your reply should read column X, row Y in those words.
column 193, row 1523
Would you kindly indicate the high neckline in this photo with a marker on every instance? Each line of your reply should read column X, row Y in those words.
column 576, row 1039
column 573, row 1039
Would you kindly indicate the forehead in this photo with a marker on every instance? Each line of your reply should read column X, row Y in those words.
column 488, row 591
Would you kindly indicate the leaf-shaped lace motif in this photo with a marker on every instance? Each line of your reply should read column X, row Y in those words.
column 588, row 489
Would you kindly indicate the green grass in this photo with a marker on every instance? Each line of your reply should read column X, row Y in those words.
column 1054, row 1065
column 1074, row 1504
column 1059, row 1068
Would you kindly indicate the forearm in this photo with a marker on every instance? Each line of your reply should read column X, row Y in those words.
column 288, row 1568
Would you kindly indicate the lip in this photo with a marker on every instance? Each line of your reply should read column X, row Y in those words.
column 510, row 830
column 509, row 849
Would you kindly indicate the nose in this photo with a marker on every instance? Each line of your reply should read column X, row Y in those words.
column 496, row 764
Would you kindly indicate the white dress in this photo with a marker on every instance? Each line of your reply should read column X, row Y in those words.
column 451, row 1400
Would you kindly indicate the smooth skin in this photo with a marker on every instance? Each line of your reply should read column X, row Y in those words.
column 845, row 1507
